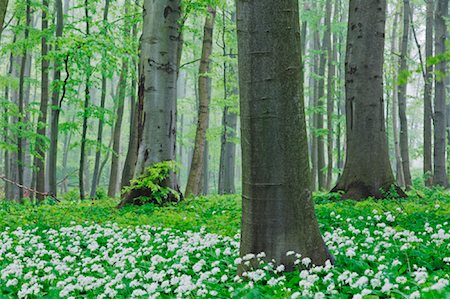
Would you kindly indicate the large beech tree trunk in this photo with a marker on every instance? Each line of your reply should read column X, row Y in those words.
column 277, row 209
column 367, row 169
column 158, row 85
column 404, row 146
column 427, row 97
column 440, row 173
column 194, row 182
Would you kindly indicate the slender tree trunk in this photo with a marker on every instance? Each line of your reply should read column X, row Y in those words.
column 320, row 118
column 39, row 158
column 440, row 173
column 314, row 103
column 87, row 98
column 21, row 116
column 229, row 124
column 3, row 9
column 195, row 174
column 160, row 48
column 277, row 209
column 404, row 151
column 114, row 174
column 101, row 121
column 395, row 93
column 330, row 93
column 56, row 109
column 367, row 170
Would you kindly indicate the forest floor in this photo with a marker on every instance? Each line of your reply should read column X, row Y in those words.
column 389, row 248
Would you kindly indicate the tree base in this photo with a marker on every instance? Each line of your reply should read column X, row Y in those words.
column 139, row 197
column 359, row 191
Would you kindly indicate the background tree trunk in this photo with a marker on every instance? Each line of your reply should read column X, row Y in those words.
column 101, row 121
column 367, row 168
column 330, row 92
column 195, row 174
column 440, row 173
column 56, row 109
column 39, row 158
column 277, row 209
column 404, row 145
column 427, row 96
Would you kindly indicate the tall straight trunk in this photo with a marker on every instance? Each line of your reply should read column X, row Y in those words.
column 131, row 158
column 404, row 146
column 160, row 46
column 330, row 92
column 195, row 173
column 204, row 189
column 101, row 121
column 313, row 101
column 367, row 170
column 277, row 209
column 395, row 93
column 21, row 116
column 64, row 183
column 39, row 158
column 321, row 176
column 114, row 174
column 440, row 173
column 87, row 97
column 56, row 108
column 229, row 122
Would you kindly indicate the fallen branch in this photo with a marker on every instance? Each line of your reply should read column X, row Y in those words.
column 46, row 194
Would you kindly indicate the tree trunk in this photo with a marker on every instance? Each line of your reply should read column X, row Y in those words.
column 330, row 93
column 195, row 174
column 320, row 100
column 404, row 151
column 101, row 121
column 159, row 60
column 131, row 158
column 114, row 174
column 427, row 97
column 277, row 209
column 87, row 97
column 3, row 9
column 21, row 115
column 367, row 170
column 395, row 93
column 39, row 158
column 56, row 109
column 229, row 123
column 440, row 173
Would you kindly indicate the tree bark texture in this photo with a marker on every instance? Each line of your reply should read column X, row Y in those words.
column 367, row 169
column 427, row 97
column 277, row 209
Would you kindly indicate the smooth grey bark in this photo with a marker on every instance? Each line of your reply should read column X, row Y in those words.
column 39, row 158
column 398, row 159
column 404, row 146
column 427, row 97
column 194, row 184
column 159, row 59
column 277, row 209
column 320, row 104
column 56, row 105
column 440, row 172
column 367, row 170
column 101, row 121
column 313, row 104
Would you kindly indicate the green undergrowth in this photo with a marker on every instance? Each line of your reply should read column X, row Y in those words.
column 218, row 214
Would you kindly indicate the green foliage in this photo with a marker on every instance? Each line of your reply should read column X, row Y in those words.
column 152, row 179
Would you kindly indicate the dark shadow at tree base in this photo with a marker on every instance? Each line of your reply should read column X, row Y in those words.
column 359, row 191
column 139, row 197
